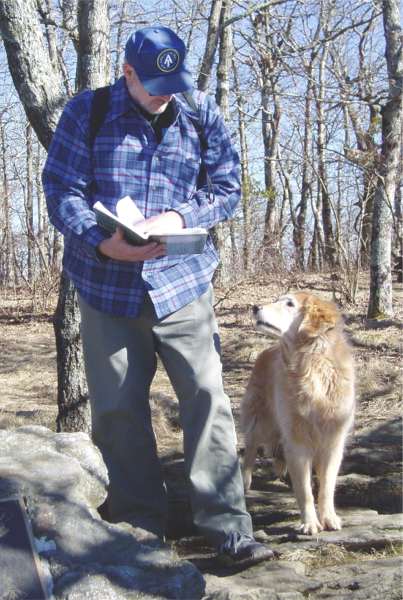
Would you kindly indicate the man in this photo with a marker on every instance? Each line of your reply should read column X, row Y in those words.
column 136, row 302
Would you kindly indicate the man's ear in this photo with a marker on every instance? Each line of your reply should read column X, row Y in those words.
column 319, row 316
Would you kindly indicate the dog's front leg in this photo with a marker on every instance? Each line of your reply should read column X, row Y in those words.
column 329, row 460
column 299, row 463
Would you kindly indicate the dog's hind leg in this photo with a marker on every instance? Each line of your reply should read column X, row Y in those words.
column 328, row 464
column 251, row 448
column 299, row 463
column 279, row 464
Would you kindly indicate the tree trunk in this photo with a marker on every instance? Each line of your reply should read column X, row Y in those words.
column 222, row 236
column 93, row 61
column 213, row 34
column 72, row 396
column 380, row 301
column 323, row 189
column 42, row 220
column 29, row 207
column 117, row 69
column 92, row 72
column 397, row 251
column 40, row 88
column 7, row 266
column 245, row 180
column 306, row 186
column 38, row 84
column 224, row 62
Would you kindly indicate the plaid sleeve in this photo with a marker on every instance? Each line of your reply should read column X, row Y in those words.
column 67, row 174
column 222, row 162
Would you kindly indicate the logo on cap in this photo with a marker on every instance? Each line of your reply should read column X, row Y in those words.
column 168, row 60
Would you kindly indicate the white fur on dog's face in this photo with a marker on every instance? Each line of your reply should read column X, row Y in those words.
column 279, row 317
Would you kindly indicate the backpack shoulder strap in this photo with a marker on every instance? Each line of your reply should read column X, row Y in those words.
column 191, row 102
column 204, row 176
column 195, row 118
column 99, row 108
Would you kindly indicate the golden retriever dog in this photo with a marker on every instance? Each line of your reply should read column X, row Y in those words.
column 299, row 402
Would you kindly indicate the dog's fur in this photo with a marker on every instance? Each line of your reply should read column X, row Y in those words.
column 299, row 402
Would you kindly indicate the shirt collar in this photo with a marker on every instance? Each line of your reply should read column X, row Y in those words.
column 121, row 102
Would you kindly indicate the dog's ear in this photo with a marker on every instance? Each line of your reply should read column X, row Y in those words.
column 319, row 316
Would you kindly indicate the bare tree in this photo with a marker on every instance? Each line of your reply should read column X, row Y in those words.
column 245, row 179
column 93, row 57
column 38, row 83
column 7, row 263
column 380, row 301
column 41, row 90
column 92, row 71
column 268, row 50
column 212, row 38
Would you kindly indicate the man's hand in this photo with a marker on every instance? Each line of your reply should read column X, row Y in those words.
column 117, row 248
column 167, row 222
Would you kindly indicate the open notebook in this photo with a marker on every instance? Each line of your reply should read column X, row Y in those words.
column 131, row 220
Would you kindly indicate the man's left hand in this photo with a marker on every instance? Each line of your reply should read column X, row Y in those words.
column 167, row 222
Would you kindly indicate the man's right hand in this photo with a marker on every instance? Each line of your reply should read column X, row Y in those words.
column 117, row 248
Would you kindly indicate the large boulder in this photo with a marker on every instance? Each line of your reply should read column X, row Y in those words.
column 63, row 480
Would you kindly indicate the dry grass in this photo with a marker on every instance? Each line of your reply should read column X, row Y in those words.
column 28, row 358
column 332, row 555
column 28, row 374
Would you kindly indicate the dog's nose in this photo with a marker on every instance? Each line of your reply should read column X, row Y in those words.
column 255, row 309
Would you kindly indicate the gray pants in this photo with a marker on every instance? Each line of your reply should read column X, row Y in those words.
column 120, row 359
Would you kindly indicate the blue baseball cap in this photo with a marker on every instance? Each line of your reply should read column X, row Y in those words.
column 157, row 55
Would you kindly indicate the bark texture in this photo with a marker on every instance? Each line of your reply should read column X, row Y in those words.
column 213, row 34
column 93, row 59
column 92, row 71
column 380, row 301
column 72, row 395
column 38, row 84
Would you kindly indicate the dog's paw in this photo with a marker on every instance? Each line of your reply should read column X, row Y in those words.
column 330, row 521
column 311, row 527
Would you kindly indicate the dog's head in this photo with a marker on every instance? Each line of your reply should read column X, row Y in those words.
column 300, row 315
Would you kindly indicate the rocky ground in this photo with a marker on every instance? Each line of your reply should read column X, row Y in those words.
column 62, row 479
column 363, row 560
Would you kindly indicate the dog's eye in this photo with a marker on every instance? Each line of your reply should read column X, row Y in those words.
column 290, row 303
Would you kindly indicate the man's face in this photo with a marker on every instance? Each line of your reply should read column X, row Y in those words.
column 152, row 104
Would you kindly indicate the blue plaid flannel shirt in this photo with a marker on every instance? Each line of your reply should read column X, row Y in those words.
column 127, row 160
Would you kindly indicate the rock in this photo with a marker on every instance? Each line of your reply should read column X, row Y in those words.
column 63, row 479
column 34, row 458
column 367, row 580
column 254, row 594
column 127, row 581
column 382, row 493
column 279, row 578
column 94, row 560
column 361, row 531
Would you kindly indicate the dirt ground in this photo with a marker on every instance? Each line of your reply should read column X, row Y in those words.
column 28, row 382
